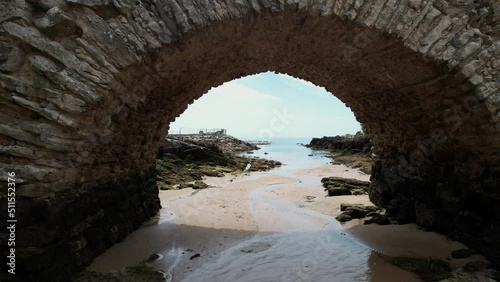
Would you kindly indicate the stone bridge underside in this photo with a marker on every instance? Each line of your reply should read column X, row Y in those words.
column 89, row 87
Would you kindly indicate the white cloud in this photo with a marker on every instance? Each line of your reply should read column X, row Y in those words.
column 232, row 89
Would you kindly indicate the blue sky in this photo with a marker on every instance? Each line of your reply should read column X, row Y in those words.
column 268, row 105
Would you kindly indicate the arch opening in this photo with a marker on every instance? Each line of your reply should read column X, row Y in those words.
column 84, row 116
column 264, row 106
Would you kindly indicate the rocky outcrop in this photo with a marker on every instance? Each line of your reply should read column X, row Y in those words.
column 354, row 151
column 353, row 211
column 359, row 143
column 227, row 143
column 88, row 89
column 194, row 151
column 338, row 186
column 448, row 204
column 182, row 163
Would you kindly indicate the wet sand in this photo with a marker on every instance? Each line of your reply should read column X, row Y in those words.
column 197, row 230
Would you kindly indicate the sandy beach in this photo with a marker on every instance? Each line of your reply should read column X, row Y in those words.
column 196, row 229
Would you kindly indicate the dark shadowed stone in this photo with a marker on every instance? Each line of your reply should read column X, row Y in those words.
column 438, row 265
column 344, row 206
column 356, row 212
column 474, row 266
column 461, row 253
column 11, row 57
column 339, row 192
column 378, row 219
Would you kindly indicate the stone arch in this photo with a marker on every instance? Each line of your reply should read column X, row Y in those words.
column 89, row 88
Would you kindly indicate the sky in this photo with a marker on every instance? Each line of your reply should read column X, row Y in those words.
column 268, row 105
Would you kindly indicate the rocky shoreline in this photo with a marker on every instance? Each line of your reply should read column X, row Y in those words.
column 352, row 150
column 182, row 162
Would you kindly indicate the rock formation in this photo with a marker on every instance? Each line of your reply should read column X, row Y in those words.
column 353, row 143
column 88, row 89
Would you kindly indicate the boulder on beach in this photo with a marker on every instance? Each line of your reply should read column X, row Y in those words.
column 338, row 186
column 351, row 211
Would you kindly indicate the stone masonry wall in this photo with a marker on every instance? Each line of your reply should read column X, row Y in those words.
column 89, row 87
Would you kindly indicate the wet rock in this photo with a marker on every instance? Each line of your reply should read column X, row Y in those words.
column 343, row 217
column 199, row 185
column 185, row 185
column 163, row 186
column 344, row 206
column 258, row 164
column 337, row 186
column 356, row 212
column 339, row 192
column 351, row 211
